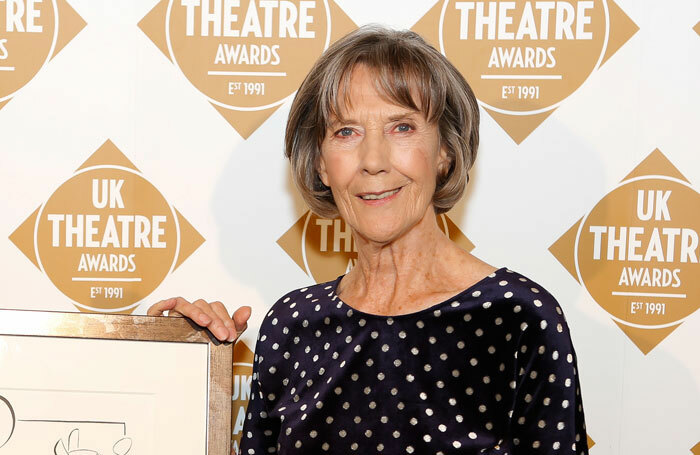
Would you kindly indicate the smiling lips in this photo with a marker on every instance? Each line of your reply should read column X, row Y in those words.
column 372, row 197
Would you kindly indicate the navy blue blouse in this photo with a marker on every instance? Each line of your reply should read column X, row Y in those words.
column 489, row 371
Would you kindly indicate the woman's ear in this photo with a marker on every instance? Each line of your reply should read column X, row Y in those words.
column 444, row 161
column 321, row 169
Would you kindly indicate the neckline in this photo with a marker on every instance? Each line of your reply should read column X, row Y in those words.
column 491, row 276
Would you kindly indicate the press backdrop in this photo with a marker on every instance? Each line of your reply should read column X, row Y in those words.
column 141, row 146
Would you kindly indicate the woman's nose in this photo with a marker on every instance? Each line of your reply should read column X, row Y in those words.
column 375, row 154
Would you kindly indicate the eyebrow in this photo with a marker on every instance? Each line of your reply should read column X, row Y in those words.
column 337, row 120
column 403, row 116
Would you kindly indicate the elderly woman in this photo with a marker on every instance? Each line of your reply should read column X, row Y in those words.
column 421, row 348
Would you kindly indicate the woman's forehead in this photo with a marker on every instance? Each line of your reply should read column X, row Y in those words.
column 364, row 85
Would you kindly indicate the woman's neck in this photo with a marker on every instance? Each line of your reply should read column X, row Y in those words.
column 414, row 271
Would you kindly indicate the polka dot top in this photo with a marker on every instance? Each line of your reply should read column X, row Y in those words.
column 489, row 371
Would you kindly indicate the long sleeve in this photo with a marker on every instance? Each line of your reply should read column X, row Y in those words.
column 547, row 409
column 260, row 431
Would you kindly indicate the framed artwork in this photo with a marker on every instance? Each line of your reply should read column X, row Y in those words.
column 102, row 384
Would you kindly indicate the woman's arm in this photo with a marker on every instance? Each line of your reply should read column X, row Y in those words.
column 547, row 414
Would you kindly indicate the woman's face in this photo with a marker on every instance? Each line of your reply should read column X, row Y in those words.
column 381, row 162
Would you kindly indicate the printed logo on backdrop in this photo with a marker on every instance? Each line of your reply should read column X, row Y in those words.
column 636, row 251
column 106, row 238
column 32, row 32
column 246, row 57
column 696, row 28
column 242, row 377
column 524, row 58
column 325, row 248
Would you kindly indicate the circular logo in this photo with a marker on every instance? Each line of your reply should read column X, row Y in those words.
column 28, row 33
column 246, row 55
column 106, row 238
column 637, row 251
column 523, row 57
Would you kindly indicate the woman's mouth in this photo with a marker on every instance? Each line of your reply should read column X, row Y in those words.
column 379, row 196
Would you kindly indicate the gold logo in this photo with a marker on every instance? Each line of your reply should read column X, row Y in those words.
column 697, row 28
column 524, row 58
column 637, row 254
column 696, row 448
column 245, row 57
column 242, row 376
column 31, row 33
column 106, row 237
column 325, row 249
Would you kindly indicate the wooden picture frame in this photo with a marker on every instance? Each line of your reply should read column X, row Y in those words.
column 39, row 332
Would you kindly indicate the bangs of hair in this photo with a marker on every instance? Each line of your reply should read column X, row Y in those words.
column 401, row 76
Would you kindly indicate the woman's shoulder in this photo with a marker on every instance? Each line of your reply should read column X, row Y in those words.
column 524, row 297
column 301, row 300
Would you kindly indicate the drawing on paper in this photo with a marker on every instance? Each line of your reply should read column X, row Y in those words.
column 64, row 445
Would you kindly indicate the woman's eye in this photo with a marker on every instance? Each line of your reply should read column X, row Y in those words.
column 344, row 132
column 404, row 128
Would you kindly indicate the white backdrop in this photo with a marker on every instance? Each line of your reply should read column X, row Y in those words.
column 112, row 82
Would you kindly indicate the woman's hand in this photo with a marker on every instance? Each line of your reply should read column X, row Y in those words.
column 212, row 315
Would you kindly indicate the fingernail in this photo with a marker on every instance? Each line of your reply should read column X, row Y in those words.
column 222, row 333
column 232, row 335
column 204, row 319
